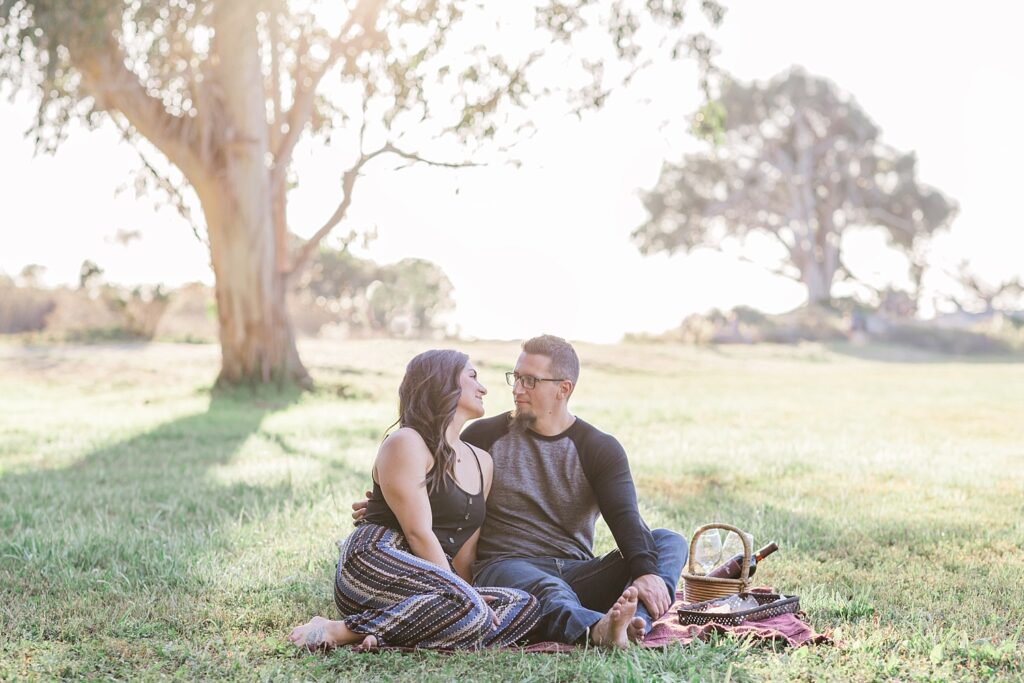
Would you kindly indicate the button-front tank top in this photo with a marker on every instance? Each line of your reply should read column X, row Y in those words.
column 456, row 514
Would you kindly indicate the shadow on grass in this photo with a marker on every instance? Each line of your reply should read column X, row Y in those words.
column 126, row 560
column 131, row 516
column 150, row 553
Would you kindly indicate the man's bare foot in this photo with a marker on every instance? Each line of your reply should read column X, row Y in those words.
column 635, row 630
column 610, row 631
column 320, row 633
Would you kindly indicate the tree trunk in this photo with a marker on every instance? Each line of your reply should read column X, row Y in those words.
column 816, row 272
column 256, row 337
column 818, row 278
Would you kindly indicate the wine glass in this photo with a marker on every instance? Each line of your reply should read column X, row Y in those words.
column 733, row 545
column 708, row 553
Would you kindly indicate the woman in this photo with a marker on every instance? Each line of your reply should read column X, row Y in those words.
column 404, row 574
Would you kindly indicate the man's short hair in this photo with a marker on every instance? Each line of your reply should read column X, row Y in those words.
column 565, row 364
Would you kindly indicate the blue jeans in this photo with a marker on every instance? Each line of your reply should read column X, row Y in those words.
column 575, row 594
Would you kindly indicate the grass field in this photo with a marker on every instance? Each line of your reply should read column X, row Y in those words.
column 149, row 529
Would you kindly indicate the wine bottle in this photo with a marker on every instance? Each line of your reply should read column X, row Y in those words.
column 731, row 568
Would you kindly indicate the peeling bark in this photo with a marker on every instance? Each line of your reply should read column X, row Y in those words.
column 244, row 221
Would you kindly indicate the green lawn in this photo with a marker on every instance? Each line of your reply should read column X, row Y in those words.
column 149, row 529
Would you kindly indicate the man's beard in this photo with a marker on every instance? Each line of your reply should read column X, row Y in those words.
column 522, row 421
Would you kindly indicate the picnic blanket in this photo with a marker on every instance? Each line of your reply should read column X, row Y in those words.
column 789, row 630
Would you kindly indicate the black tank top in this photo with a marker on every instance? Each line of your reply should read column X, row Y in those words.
column 456, row 514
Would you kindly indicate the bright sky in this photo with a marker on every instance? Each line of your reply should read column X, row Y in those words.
column 545, row 247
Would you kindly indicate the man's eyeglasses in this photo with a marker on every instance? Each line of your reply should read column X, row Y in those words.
column 529, row 381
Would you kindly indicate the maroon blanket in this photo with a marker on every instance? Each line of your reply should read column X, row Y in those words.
column 788, row 630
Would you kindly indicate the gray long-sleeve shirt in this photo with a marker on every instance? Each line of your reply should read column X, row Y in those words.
column 548, row 491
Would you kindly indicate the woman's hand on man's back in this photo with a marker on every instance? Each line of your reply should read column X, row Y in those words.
column 359, row 508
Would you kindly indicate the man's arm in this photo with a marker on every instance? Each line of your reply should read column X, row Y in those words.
column 607, row 469
column 484, row 432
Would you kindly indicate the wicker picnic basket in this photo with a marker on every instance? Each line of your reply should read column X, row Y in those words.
column 697, row 588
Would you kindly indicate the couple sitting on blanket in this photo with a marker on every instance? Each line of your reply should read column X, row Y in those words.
column 485, row 537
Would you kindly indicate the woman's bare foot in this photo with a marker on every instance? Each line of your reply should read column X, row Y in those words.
column 611, row 630
column 369, row 643
column 320, row 633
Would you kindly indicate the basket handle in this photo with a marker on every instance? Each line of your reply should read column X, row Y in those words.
column 748, row 551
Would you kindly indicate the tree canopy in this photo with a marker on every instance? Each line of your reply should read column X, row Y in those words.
column 216, row 94
column 796, row 159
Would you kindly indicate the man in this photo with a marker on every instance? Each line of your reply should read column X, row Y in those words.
column 553, row 475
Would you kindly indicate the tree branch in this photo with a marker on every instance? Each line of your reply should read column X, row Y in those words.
column 774, row 270
column 173, row 191
column 365, row 16
column 891, row 220
column 348, row 183
column 116, row 87
column 273, row 31
column 416, row 158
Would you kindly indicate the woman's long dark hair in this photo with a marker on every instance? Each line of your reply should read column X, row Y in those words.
column 427, row 399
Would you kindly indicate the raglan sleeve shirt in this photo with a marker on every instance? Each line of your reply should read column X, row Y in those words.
column 606, row 469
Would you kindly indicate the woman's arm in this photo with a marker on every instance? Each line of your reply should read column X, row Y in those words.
column 402, row 465
column 464, row 559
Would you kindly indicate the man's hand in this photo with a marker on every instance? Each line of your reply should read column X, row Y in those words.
column 359, row 509
column 654, row 594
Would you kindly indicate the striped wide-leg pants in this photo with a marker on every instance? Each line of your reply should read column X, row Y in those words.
column 383, row 590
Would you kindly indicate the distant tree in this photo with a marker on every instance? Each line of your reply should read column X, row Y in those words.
column 224, row 90
column 31, row 275
column 800, row 161
column 24, row 308
column 980, row 295
column 337, row 274
column 410, row 297
column 89, row 274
